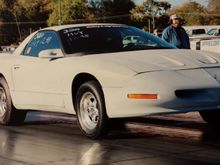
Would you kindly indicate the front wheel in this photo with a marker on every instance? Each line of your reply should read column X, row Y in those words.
column 90, row 109
column 8, row 113
column 211, row 116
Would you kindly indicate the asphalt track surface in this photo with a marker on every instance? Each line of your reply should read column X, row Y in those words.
column 54, row 139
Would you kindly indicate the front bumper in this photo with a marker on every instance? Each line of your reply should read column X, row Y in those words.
column 200, row 91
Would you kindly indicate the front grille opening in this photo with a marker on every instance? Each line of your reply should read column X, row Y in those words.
column 195, row 93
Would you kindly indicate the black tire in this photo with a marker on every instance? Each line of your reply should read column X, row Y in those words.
column 8, row 113
column 90, row 109
column 211, row 116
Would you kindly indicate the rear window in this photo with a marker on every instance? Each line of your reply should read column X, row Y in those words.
column 198, row 31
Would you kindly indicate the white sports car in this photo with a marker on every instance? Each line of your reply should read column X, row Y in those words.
column 89, row 70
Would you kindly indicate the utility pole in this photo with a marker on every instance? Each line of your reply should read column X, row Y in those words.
column 149, row 27
column 19, row 30
column 153, row 21
column 60, row 19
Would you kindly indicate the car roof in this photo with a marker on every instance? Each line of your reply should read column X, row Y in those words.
column 58, row 28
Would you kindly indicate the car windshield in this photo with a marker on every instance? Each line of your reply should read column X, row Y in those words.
column 106, row 39
column 212, row 32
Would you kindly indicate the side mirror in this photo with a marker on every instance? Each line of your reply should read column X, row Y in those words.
column 51, row 53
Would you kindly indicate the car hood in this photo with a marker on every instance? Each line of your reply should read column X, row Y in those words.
column 157, row 60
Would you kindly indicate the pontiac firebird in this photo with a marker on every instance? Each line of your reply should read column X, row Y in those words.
column 98, row 72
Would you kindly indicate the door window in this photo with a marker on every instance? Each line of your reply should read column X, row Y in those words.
column 42, row 41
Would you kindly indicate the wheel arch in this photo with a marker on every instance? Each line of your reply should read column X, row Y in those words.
column 78, row 80
column 2, row 76
column 7, row 79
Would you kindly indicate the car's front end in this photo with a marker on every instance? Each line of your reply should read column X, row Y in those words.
column 162, row 92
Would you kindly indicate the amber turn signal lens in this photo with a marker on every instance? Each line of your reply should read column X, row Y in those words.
column 142, row 96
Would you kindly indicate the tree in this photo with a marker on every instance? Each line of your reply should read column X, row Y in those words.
column 192, row 12
column 12, row 13
column 6, row 35
column 214, row 6
column 35, row 12
column 32, row 10
column 214, row 12
column 72, row 12
column 150, row 10
column 116, row 11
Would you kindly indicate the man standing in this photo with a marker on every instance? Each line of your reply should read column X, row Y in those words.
column 175, row 34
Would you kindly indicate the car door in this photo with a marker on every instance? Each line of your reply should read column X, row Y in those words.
column 37, row 81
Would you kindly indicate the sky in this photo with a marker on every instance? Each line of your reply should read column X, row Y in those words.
column 175, row 3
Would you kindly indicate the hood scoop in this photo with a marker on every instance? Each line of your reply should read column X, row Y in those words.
column 169, row 62
column 206, row 57
column 208, row 60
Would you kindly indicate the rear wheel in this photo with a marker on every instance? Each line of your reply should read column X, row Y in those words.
column 91, row 113
column 8, row 113
column 211, row 116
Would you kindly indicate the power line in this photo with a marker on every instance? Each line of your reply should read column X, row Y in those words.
column 32, row 22
column 200, row 14
column 73, row 21
column 101, row 18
